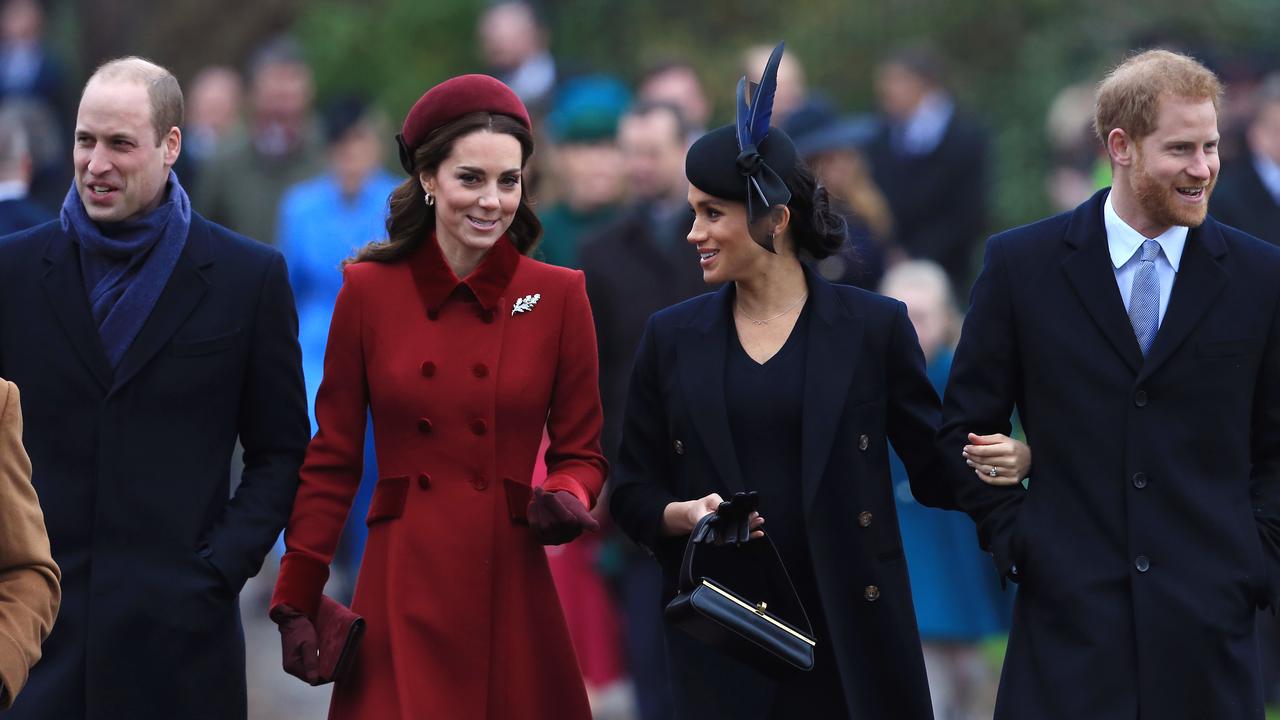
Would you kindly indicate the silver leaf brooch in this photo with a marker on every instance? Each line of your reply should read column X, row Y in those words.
column 526, row 303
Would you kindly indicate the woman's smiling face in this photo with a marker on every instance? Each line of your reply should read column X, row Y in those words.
column 477, row 190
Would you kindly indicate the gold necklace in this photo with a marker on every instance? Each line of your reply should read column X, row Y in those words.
column 775, row 317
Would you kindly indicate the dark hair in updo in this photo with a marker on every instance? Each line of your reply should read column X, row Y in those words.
column 816, row 229
column 410, row 221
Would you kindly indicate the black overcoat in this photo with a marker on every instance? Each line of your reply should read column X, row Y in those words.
column 133, row 470
column 864, row 385
column 1148, row 535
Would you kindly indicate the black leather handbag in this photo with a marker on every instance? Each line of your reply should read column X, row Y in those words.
column 746, row 629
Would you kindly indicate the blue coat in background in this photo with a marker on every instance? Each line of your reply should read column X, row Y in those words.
column 133, row 469
column 319, row 227
column 957, row 594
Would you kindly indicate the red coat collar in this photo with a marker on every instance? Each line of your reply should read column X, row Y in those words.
column 436, row 281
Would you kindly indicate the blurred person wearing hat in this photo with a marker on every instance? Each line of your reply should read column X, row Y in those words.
column 586, row 175
column 930, row 161
column 146, row 341
column 322, row 221
column 787, row 385
column 833, row 147
column 463, row 349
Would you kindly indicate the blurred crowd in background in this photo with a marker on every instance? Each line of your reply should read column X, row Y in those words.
column 269, row 155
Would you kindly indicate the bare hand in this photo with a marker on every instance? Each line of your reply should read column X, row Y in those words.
column 679, row 517
column 998, row 459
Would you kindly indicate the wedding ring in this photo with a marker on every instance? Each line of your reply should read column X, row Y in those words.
column 992, row 471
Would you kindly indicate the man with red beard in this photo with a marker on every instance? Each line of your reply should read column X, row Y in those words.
column 1139, row 341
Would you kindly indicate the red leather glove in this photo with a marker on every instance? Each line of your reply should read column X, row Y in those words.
column 298, row 644
column 557, row 517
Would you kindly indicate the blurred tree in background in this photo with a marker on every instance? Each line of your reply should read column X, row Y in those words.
column 1008, row 58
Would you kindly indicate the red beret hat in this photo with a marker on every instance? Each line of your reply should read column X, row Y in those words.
column 449, row 101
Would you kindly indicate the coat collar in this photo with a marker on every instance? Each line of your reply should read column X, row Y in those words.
column 832, row 354
column 1200, row 278
column 64, row 290
column 436, row 282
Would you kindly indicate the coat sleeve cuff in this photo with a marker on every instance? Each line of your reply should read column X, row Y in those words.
column 566, row 482
column 13, row 670
column 300, row 583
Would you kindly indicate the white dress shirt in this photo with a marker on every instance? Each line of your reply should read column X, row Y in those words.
column 1124, row 242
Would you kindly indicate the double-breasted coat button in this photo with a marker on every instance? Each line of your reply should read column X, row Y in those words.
column 864, row 442
column 479, row 482
column 479, row 426
column 678, row 446
column 871, row 593
column 1140, row 398
column 1142, row 563
column 864, row 519
column 424, row 425
column 480, row 370
column 424, row 481
column 433, row 314
column 1139, row 480
column 428, row 369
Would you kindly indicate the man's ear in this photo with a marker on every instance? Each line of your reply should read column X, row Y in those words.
column 172, row 146
column 1121, row 147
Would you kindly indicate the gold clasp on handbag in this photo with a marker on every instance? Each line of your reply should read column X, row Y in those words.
column 761, row 607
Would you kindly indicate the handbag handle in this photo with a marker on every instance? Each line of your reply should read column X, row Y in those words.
column 776, row 569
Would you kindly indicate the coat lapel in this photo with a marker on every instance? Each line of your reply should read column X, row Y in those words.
column 186, row 286
column 701, row 359
column 831, row 357
column 1200, row 280
column 64, row 289
column 1092, row 277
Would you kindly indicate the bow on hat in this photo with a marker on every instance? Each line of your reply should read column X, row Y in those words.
column 765, row 188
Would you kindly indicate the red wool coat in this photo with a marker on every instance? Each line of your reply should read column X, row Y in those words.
column 461, row 377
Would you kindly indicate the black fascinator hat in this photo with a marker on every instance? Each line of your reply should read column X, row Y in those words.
column 747, row 162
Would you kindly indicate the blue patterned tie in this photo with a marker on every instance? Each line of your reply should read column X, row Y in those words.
column 1144, row 297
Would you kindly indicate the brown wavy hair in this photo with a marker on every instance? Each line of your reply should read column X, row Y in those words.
column 410, row 221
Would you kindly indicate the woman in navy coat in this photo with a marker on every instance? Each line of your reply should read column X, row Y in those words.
column 785, row 384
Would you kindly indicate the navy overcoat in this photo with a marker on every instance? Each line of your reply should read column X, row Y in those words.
column 864, row 385
column 133, row 470
column 1149, row 533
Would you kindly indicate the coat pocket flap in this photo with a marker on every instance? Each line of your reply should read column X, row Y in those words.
column 388, row 499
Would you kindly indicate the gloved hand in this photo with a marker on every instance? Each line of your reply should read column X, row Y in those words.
column 557, row 517
column 298, row 645
column 732, row 522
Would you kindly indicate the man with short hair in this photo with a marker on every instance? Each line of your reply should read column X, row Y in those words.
column 147, row 340
column 1139, row 341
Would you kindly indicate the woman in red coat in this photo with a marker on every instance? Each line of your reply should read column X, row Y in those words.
column 463, row 349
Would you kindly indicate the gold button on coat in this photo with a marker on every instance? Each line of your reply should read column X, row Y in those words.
column 871, row 593
column 864, row 519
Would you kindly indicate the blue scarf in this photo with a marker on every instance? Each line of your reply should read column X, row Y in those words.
column 126, row 265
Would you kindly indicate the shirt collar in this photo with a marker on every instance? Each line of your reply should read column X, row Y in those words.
column 436, row 281
column 12, row 190
column 1123, row 241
